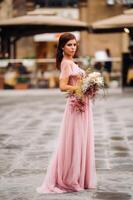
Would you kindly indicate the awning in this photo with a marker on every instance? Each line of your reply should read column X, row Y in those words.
column 30, row 25
column 114, row 24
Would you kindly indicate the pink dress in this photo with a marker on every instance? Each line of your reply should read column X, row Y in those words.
column 72, row 167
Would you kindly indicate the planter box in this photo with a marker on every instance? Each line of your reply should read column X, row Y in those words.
column 22, row 86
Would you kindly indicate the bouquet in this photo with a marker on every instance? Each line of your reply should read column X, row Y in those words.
column 91, row 84
column 88, row 86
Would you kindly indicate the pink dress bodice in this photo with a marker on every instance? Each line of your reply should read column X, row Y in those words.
column 71, row 70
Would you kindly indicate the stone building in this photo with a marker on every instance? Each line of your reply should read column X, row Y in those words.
column 90, row 11
column 6, row 9
column 94, row 10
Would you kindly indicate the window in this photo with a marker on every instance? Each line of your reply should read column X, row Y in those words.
column 127, row 2
column 111, row 2
column 57, row 3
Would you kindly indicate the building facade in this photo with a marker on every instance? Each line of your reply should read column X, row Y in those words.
column 89, row 11
column 94, row 10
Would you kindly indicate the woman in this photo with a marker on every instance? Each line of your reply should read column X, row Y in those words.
column 108, row 64
column 73, row 164
column 107, row 68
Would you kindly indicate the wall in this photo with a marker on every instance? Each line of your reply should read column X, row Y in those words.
column 95, row 10
column 5, row 9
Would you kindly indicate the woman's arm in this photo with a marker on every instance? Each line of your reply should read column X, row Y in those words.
column 64, row 86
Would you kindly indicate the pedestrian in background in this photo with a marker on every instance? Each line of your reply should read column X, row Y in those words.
column 108, row 63
column 72, row 167
column 107, row 67
column 10, row 77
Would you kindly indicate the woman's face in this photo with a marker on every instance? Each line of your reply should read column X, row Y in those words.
column 70, row 48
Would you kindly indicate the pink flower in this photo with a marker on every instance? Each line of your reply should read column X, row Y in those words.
column 91, row 91
column 77, row 104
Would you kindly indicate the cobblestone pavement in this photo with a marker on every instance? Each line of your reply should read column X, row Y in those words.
column 29, row 125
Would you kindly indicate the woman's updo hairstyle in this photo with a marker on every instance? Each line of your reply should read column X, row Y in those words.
column 64, row 38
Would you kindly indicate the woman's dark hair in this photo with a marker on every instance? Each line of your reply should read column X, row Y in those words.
column 64, row 38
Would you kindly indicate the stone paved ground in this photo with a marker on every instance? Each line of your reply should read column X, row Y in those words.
column 29, row 124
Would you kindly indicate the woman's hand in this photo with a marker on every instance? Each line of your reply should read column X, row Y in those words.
column 73, row 89
column 64, row 86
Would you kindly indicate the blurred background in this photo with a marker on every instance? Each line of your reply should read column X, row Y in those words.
column 29, row 31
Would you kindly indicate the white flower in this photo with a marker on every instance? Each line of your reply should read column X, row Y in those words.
column 92, row 79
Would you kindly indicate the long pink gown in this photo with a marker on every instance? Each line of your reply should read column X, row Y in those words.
column 72, row 167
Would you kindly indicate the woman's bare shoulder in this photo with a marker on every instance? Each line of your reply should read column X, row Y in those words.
column 65, row 61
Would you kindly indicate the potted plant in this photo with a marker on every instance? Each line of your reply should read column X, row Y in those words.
column 22, row 82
